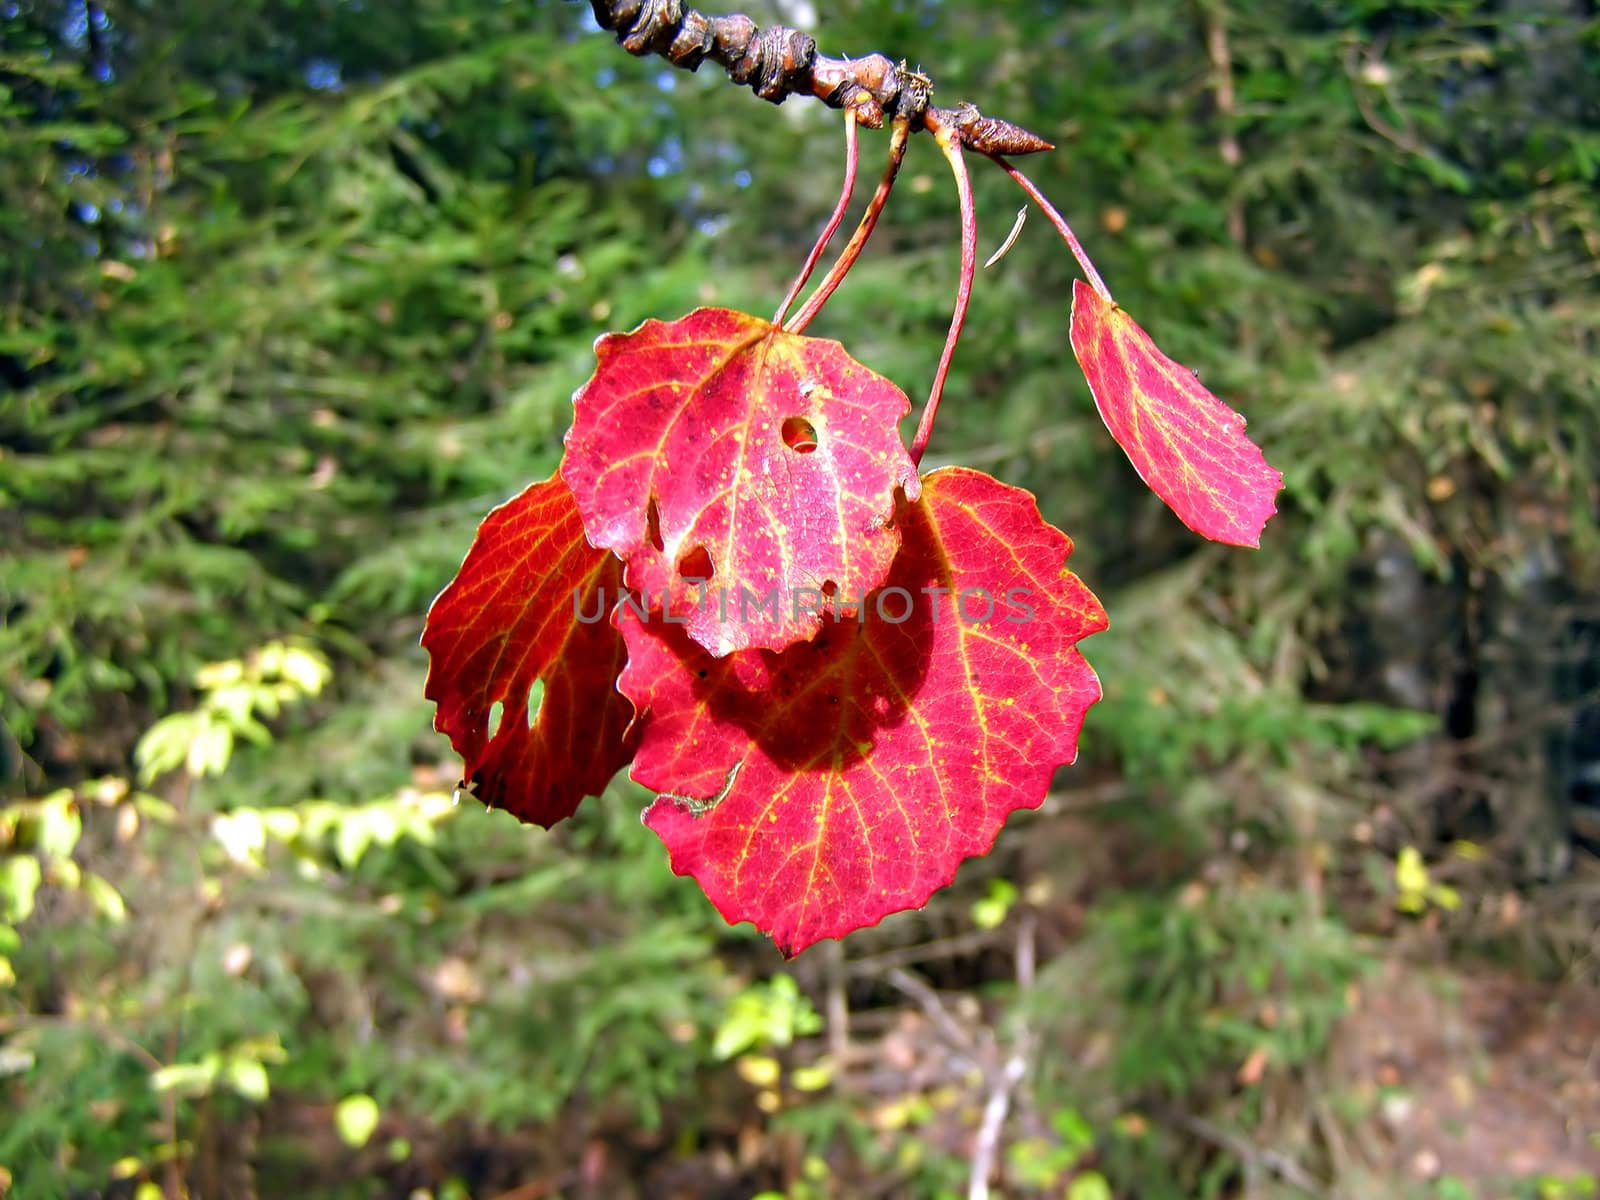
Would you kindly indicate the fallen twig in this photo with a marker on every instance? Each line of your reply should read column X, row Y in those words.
column 986, row 1150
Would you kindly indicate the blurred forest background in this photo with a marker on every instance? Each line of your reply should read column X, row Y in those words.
column 292, row 292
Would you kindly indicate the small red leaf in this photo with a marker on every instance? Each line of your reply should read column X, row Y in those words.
column 817, row 790
column 720, row 442
column 528, row 605
column 1185, row 443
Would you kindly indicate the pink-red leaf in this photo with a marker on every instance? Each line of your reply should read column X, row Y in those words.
column 1185, row 443
column 771, row 460
column 529, row 605
column 816, row 790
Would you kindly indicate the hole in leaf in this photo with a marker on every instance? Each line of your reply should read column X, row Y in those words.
column 696, row 564
column 652, row 525
column 800, row 435
column 535, row 699
column 496, row 711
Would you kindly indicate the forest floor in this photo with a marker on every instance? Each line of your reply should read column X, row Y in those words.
column 1446, row 1082
column 1481, row 1077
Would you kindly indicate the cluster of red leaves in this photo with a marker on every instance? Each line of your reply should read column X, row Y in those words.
column 840, row 678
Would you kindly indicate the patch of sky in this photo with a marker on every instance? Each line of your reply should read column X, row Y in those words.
column 324, row 75
column 75, row 25
column 802, row 14
column 605, row 77
column 668, row 160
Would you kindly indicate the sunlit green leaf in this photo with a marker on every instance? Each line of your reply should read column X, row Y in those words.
column 1091, row 1185
column 19, row 880
column 248, row 1078
column 58, row 824
column 356, row 1118
column 991, row 911
column 105, row 898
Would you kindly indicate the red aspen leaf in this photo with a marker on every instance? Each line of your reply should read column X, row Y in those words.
column 1187, row 445
column 527, row 606
column 720, row 443
column 814, row 791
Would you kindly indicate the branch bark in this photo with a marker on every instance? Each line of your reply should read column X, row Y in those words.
column 1221, row 56
column 779, row 62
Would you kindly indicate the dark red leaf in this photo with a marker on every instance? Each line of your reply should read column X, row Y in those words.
column 816, row 790
column 511, row 617
column 720, row 443
column 1185, row 443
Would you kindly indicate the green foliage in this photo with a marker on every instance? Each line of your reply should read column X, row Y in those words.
column 232, row 696
column 356, row 1117
column 765, row 1015
column 1566, row 1187
column 236, row 413
column 1199, row 982
column 1041, row 1162
column 1415, row 890
column 992, row 909
column 262, row 1005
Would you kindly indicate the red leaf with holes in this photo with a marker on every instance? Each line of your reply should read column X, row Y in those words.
column 816, row 790
column 527, row 606
column 718, row 445
column 1186, row 444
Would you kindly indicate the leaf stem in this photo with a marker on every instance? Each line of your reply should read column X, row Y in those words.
column 851, row 158
column 950, row 143
column 1060, row 222
column 852, row 251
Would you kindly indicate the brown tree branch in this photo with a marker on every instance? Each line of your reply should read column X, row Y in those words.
column 1221, row 56
column 778, row 62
